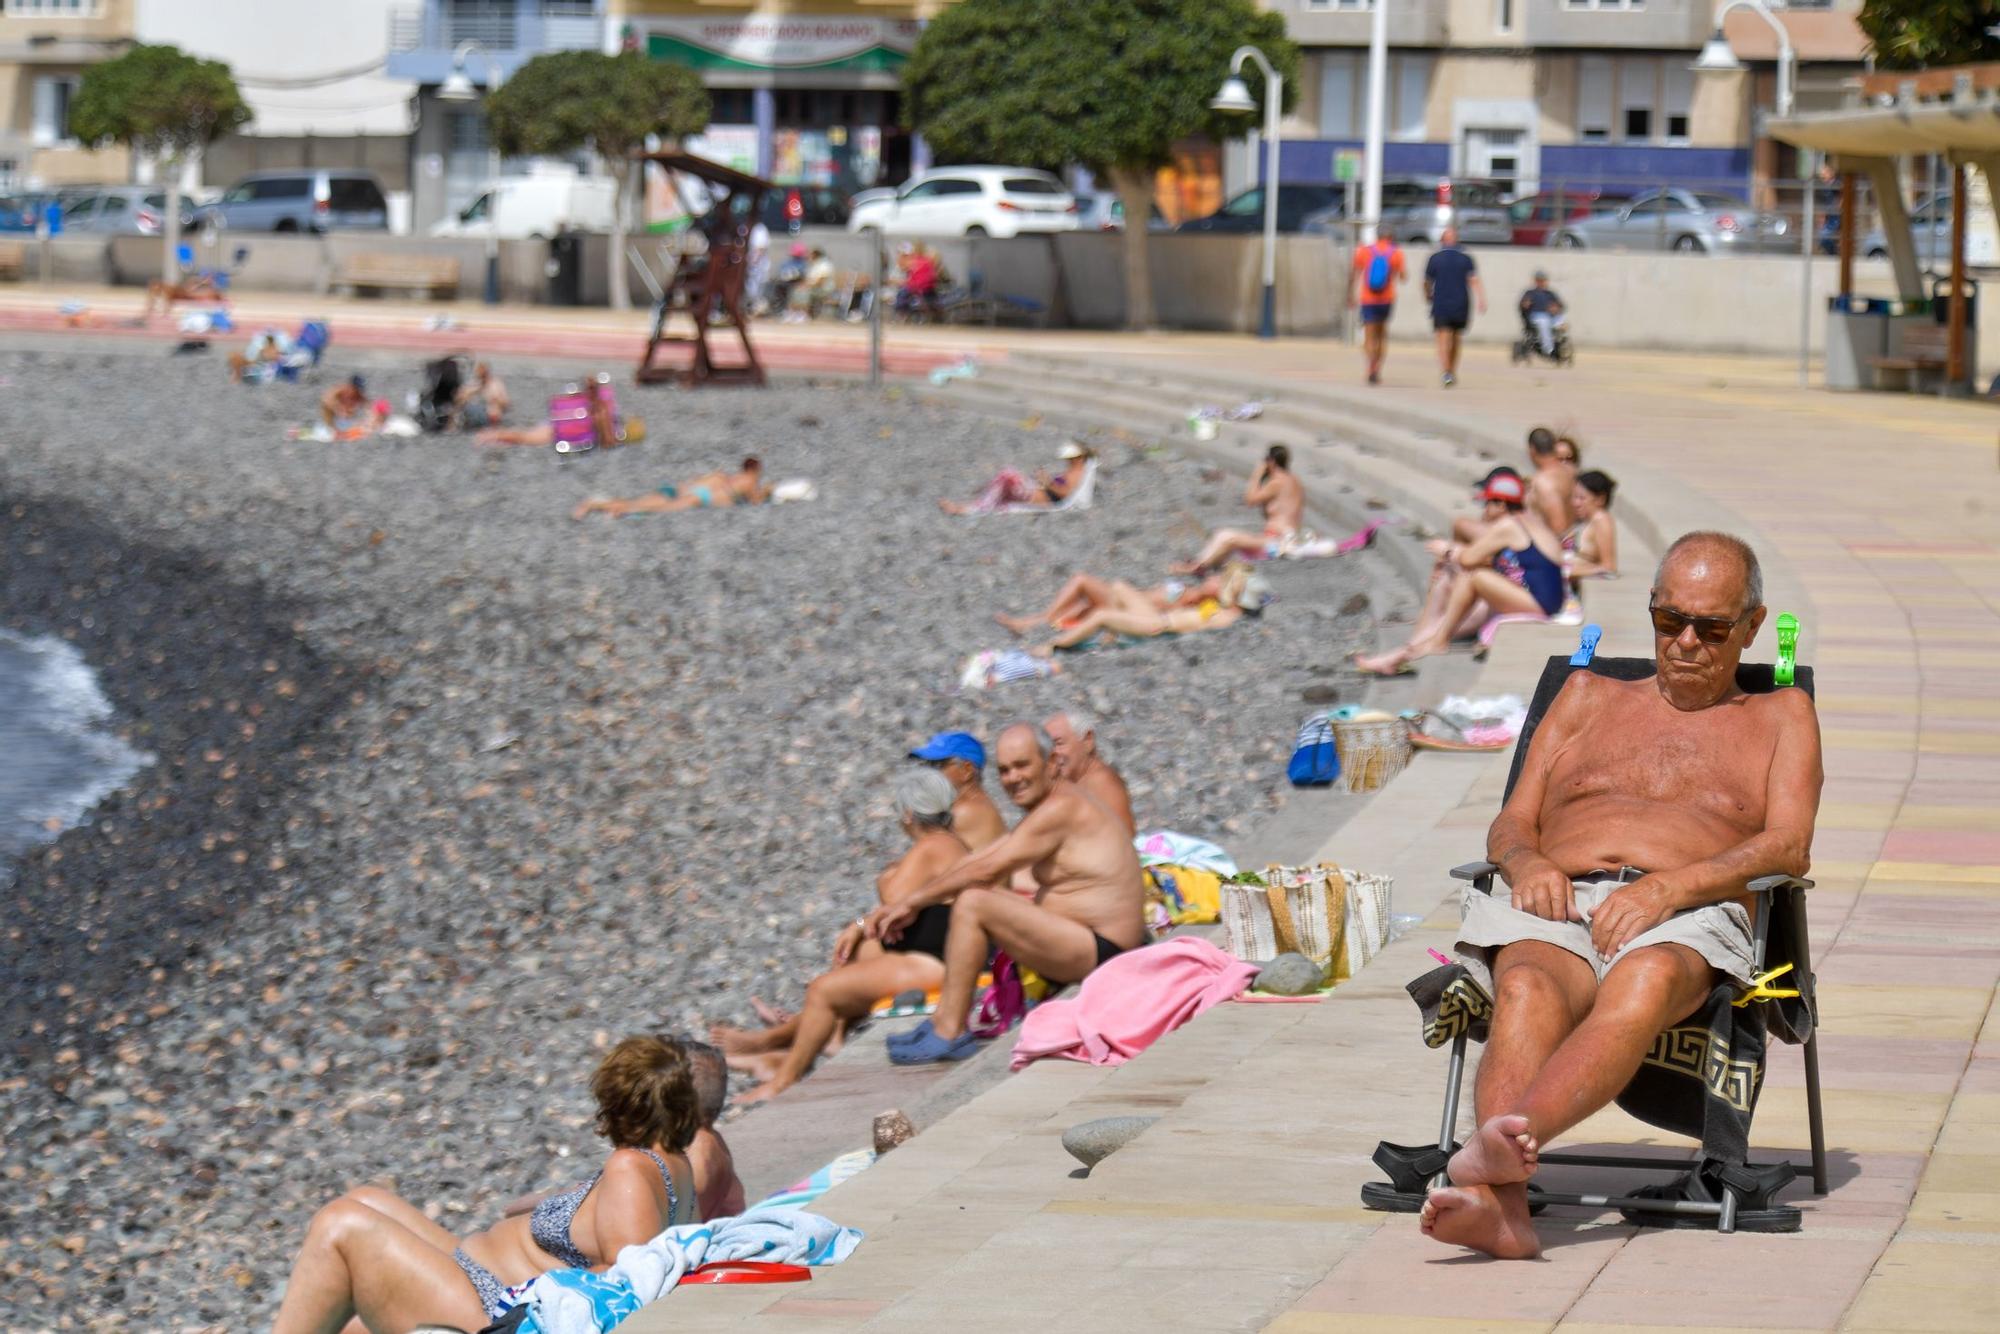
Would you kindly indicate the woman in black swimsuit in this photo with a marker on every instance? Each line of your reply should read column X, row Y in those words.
column 863, row 971
column 373, row 1256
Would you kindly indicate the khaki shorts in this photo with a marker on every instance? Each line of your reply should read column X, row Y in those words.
column 1719, row 932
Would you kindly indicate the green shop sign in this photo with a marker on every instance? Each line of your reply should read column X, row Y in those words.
column 783, row 43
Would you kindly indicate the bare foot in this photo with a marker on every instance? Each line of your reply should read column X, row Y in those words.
column 951, row 507
column 1485, row 1219
column 1381, row 664
column 770, row 1014
column 738, row 1041
column 1499, row 1153
column 764, row 1092
column 1184, row 567
column 587, row 507
column 759, row 1065
column 1019, row 625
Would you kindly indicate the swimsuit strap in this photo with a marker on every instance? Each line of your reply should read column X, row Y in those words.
column 667, row 1179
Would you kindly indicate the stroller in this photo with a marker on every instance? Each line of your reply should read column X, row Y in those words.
column 1529, row 345
column 437, row 400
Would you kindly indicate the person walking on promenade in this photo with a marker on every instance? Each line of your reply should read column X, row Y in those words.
column 1451, row 284
column 1377, row 268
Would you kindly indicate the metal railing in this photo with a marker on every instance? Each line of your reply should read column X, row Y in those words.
column 495, row 27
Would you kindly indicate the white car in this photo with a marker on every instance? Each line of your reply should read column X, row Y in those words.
column 970, row 201
column 536, row 207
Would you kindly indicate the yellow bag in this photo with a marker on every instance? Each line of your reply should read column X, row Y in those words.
column 1188, row 893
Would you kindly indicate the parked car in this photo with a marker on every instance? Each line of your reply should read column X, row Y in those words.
column 792, row 206
column 1536, row 218
column 305, row 200
column 536, row 207
column 123, row 210
column 1106, row 213
column 1692, row 222
column 18, row 212
column 971, row 201
column 1417, row 209
column 1930, row 229
column 1297, row 202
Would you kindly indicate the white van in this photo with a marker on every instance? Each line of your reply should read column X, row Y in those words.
column 537, row 207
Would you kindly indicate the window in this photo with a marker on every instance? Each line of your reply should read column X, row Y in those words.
column 476, row 210
column 1648, row 208
column 956, row 187
column 353, row 194
column 1339, row 80
column 53, row 96
column 923, row 190
column 1338, row 4
column 1593, row 99
column 1605, row 4
column 1677, row 97
column 281, row 187
column 50, row 9
column 1638, row 123
column 1030, row 185
column 570, row 9
column 1411, row 89
column 1246, row 205
column 1503, row 15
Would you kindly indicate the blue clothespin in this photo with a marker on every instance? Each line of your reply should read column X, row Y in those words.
column 1586, row 646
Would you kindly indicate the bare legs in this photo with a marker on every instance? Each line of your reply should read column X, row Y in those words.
column 372, row 1256
column 544, row 434
column 1433, row 635
column 1374, row 347
column 650, row 503
column 1560, row 1049
column 1224, row 543
column 844, row 993
column 983, row 919
column 1140, row 625
column 1447, row 343
column 1083, row 593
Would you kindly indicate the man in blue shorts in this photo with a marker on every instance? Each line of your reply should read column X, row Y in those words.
column 1451, row 282
column 1377, row 268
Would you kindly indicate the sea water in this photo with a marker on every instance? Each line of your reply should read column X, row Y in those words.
column 58, row 757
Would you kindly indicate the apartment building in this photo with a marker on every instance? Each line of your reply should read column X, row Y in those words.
column 45, row 46
column 1542, row 92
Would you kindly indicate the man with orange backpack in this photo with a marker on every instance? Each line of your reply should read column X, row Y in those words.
column 1378, row 266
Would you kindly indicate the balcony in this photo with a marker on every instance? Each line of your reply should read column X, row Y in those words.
column 1347, row 22
column 1647, row 25
column 422, row 38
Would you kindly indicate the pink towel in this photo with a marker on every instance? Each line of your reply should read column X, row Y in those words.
column 1129, row 1003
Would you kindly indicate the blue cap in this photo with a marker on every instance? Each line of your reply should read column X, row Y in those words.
column 952, row 746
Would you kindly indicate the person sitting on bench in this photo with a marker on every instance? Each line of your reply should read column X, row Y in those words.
column 1642, row 812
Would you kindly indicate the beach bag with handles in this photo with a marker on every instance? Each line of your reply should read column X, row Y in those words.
column 1315, row 758
column 1336, row 917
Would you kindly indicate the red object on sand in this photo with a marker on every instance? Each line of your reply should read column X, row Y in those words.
column 747, row 1271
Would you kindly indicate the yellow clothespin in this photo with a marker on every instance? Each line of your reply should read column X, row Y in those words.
column 1761, row 989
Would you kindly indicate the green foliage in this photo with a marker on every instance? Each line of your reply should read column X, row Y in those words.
column 566, row 100
column 1911, row 34
column 1099, row 83
column 159, row 100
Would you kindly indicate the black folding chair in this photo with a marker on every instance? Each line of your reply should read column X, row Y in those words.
column 1723, row 1189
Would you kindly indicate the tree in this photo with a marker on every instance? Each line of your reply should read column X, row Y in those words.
column 166, row 104
column 568, row 100
column 1111, row 85
column 1910, row 34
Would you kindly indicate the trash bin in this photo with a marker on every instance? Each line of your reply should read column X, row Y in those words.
column 566, row 269
column 1941, row 310
column 1857, row 330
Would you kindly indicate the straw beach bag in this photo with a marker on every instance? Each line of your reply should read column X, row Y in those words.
column 1336, row 917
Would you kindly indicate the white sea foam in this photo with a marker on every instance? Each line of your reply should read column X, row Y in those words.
column 57, row 758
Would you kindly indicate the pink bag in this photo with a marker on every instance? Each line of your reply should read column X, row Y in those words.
column 1002, row 1004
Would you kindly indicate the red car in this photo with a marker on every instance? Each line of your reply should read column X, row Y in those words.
column 1535, row 216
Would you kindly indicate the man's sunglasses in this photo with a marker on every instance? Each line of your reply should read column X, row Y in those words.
column 1668, row 624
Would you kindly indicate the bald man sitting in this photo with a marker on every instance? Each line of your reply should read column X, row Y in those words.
column 1089, row 906
column 1643, row 811
column 1074, row 735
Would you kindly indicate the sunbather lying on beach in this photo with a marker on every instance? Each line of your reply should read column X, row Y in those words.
column 1240, row 593
column 1011, row 488
column 1281, row 495
column 371, row 1256
column 711, row 490
column 196, row 285
column 864, row 970
column 1086, row 593
column 1513, row 566
column 607, row 428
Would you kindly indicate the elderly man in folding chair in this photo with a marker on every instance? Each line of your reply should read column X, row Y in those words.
column 1684, row 774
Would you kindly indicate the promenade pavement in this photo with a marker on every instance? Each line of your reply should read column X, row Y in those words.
column 1879, row 521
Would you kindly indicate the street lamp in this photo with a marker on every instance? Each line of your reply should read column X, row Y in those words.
column 458, row 88
column 1235, row 99
column 1717, row 58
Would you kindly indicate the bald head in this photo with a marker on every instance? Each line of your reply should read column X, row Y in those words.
column 1021, row 757
column 1712, row 561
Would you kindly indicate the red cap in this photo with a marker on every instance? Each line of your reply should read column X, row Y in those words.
column 1506, row 488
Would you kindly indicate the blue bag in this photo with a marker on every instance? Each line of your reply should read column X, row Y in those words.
column 1378, row 273
column 1315, row 762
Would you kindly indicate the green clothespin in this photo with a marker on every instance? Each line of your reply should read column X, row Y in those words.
column 1788, row 649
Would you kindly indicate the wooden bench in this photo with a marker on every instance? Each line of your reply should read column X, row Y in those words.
column 1926, row 348
column 435, row 274
column 13, row 260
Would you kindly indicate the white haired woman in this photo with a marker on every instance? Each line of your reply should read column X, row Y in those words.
column 863, row 970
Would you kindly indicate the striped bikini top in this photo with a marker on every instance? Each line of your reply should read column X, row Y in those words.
column 549, row 1224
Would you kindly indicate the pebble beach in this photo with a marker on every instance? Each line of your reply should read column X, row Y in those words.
column 448, row 791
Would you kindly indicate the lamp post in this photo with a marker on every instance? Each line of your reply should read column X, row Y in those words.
column 1235, row 97
column 458, row 88
column 1371, row 148
column 1717, row 58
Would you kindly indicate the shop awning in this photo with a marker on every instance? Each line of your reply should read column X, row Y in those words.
column 1922, row 128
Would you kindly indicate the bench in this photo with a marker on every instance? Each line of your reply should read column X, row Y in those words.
column 13, row 259
column 435, row 274
column 1926, row 348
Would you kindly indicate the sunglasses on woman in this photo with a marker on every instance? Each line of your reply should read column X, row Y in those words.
column 1669, row 623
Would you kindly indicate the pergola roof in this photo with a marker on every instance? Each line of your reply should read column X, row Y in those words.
column 1920, row 128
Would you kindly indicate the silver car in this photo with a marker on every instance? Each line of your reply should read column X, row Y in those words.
column 1930, row 229
column 1417, row 209
column 123, row 210
column 1690, row 222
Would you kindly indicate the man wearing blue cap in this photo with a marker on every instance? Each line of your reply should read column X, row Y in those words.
column 960, row 758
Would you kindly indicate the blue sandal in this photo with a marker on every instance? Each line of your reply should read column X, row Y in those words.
column 927, row 1048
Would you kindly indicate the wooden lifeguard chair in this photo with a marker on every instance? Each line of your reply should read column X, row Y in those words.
column 709, row 282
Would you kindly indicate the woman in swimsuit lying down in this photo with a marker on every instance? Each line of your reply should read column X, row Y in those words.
column 864, row 971
column 712, row 490
column 372, row 1256
column 1010, row 487
column 1239, row 593
column 1086, row 593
